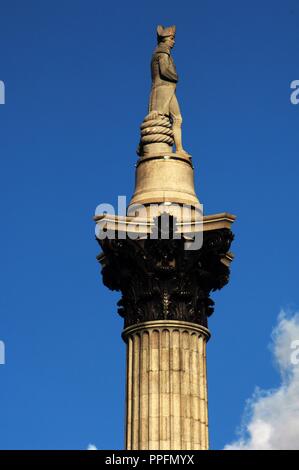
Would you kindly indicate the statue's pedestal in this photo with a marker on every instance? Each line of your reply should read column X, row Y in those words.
column 164, row 178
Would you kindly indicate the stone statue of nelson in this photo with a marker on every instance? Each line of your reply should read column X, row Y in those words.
column 163, row 100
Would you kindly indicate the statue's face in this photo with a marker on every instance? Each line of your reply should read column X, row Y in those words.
column 170, row 41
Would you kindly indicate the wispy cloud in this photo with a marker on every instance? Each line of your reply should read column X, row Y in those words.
column 271, row 418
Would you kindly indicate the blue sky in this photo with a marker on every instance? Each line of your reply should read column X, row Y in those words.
column 77, row 81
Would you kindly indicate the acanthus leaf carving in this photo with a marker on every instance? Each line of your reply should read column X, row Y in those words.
column 160, row 280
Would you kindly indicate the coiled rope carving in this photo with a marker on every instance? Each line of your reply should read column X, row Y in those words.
column 156, row 130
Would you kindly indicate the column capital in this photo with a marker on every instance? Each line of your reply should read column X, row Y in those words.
column 160, row 280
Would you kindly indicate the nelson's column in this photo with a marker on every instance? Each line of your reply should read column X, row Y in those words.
column 165, row 259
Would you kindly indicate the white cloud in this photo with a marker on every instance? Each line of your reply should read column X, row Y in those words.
column 271, row 420
column 91, row 447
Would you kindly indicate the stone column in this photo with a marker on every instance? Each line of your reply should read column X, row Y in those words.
column 166, row 386
column 165, row 305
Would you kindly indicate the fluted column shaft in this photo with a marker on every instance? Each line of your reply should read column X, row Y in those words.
column 167, row 406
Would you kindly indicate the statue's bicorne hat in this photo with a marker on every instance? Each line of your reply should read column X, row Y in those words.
column 163, row 32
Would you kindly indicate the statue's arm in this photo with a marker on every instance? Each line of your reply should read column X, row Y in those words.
column 167, row 71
